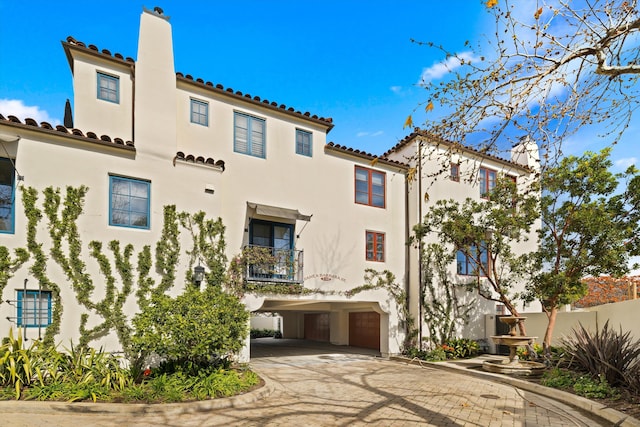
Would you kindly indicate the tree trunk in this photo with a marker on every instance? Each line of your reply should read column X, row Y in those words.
column 548, row 334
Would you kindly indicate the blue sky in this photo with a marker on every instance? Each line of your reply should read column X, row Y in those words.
column 349, row 60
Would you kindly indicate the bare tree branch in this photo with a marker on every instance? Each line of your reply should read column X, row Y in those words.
column 544, row 73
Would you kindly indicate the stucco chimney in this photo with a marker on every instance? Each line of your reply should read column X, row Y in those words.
column 155, row 87
column 526, row 153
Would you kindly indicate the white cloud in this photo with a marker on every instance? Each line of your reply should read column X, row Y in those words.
column 440, row 69
column 632, row 262
column 396, row 89
column 16, row 107
column 626, row 162
column 371, row 134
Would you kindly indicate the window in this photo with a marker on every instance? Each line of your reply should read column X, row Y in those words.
column 375, row 246
column 275, row 241
column 487, row 179
column 34, row 308
column 108, row 88
column 303, row 142
column 249, row 135
column 7, row 175
column 199, row 112
column 466, row 262
column 370, row 187
column 455, row 172
column 129, row 202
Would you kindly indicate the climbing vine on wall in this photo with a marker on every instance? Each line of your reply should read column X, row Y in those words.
column 110, row 308
column 386, row 280
column 167, row 251
column 39, row 266
column 208, row 246
column 9, row 265
column 66, row 251
column 443, row 311
column 145, row 282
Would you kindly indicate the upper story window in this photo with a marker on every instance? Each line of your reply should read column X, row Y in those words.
column 303, row 142
column 199, row 112
column 279, row 261
column 375, row 246
column 454, row 174
column 129, row 202
column 249, row 135
column 487, row 179
column 33, row 308
column 7, row 191
column 370, row 187
column 108, row 88
column 467, row 262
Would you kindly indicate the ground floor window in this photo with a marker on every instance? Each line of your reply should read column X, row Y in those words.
column 33, row 308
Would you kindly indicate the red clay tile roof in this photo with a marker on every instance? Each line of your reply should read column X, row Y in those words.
column 364, row 155
column 437, row 140
column 328, row 122
column 72, row 43
column 76, row 134
column 190, row 158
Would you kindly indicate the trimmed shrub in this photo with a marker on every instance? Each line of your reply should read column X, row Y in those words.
column 197, row 328
column 265, row 333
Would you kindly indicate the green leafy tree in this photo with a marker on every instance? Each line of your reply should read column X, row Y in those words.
column 485, row 231
column 589, row 227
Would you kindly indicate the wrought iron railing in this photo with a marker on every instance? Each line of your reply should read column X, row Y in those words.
column 268, row 264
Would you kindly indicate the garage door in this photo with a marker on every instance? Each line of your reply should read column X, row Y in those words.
column 364, row 330
column 316, row 326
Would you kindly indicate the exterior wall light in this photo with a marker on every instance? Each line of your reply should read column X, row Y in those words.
column 198, row 275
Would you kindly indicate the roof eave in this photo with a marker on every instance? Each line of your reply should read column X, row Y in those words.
column 73, row 45
column 366, row 156
column 74, row 135
column 256, row 101
column 419, row 133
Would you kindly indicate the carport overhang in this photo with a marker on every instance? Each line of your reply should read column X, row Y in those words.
column 279, row 305
column 293, row 310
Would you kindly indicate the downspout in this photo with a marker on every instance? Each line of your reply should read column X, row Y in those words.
column 407, row 250
column 133, row 103
column 22, row 314
column 420, row 244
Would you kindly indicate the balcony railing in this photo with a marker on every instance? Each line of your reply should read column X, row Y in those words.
column 267, row 264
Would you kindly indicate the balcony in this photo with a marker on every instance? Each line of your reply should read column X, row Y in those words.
column 268, row 264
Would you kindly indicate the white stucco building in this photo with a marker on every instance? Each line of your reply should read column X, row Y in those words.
column 144, row 136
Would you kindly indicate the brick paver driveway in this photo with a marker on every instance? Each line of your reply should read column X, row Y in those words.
column 329, row 386
column 350, row 389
